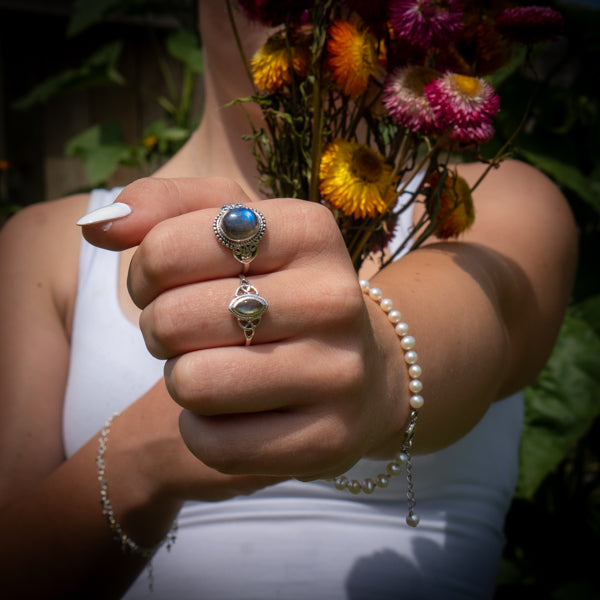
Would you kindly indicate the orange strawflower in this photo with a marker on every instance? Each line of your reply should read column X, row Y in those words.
column 274, row 65
column 353, row 56
column 451, row 206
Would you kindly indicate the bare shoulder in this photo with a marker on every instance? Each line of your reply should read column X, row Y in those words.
column 47, row 219
column 523, row 197
column 512, row 178
column 40, row 246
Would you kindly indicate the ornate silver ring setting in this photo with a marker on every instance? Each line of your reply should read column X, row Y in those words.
column 248, row 308
column 240, row 228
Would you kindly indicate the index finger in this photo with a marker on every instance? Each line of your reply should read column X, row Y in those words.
column 152, row 200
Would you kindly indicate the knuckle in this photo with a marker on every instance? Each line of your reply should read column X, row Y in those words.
column 319, row 225
column 155, row 253
column 189, row 383
column 349, row 373
column 177, row 379
column 162, row 322
column 339, row 305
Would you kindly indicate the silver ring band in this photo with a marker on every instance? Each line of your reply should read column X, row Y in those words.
column 240, row 228
column 248, row 308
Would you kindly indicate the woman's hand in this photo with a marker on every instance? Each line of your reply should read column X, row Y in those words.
column 146, row 450
column 300, row 400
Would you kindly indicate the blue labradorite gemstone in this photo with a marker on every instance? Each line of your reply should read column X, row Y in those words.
column 240, row 224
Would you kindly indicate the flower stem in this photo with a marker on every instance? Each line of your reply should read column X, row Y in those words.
column 238, row 43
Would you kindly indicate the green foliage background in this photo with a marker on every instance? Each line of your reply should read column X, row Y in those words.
column 553, row 528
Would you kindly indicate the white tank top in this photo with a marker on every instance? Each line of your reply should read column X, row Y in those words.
column 301, row 541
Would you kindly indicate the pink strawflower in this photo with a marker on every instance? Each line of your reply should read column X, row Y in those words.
column 275, row 12
column 465, row 106
column 405, row 100
column 472, row 134
column 530, row 24
column 426, row 22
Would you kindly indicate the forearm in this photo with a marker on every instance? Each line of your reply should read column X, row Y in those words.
column 56, row 541
column 482, row 330
column 460, row 337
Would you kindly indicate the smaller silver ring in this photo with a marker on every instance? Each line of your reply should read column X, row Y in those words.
column 240, row 228
column 248, row 307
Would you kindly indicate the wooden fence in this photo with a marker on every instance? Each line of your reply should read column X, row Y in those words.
column 33, row 46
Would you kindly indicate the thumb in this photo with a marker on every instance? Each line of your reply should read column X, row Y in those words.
column 148, row 201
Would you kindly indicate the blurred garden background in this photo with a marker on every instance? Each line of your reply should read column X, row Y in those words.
column 100, row 92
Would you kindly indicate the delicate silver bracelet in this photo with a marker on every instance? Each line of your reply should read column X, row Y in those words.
column 128, row 546
column 415, row 386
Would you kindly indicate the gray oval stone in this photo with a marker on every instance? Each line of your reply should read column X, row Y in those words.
column 248, row 306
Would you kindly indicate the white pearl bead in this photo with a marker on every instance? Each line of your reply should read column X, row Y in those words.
column 408, row 342
column 412, row 520
column 375, row 294
column 393, row 469
column 402, row 458
column 368, row 486
column 411, row 357
column 364, row 285
column 394, row 316
column 382, row 481
column 401, row 329
column 415, row 385
column 386, row 305
column 354, row 487
column 415, row 371
column 416, row 401
column 341, row 483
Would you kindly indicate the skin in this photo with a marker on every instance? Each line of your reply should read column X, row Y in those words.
column 324, row 381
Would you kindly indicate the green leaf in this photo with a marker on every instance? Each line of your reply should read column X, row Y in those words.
column 101, row 149
column 85, row 13
column 562, row 404
column 98, row 69
column 183, row 45
column 589, row 311
column 566, row 175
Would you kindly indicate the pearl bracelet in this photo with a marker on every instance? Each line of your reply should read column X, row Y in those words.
column 128, row 546
column 415, row 386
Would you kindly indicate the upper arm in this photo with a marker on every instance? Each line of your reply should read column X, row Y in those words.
column 38, row 270
column 525, row 226
column 486, row 308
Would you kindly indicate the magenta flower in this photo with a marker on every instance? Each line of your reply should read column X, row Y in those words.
column 275, row 12
column 465, row 106
column 426, row 22
column 405, row 100
column 530, row 24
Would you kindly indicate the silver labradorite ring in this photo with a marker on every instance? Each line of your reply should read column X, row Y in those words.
column 240, row 228
column 248, row 308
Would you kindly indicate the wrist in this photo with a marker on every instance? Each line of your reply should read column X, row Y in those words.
column 139, row 519
column 402, row 459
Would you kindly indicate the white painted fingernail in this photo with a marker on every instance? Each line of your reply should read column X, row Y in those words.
column 116, row 210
